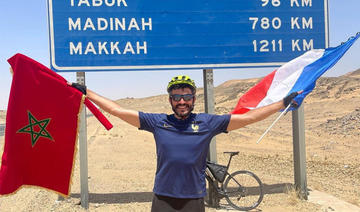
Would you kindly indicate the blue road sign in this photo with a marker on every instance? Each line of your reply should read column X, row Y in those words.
column 107, row 35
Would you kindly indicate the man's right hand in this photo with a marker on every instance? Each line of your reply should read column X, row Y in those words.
column 81, row 88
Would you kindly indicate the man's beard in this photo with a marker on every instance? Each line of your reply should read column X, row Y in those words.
column 183, row 115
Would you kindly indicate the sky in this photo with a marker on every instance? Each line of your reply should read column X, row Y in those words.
column 24, row 29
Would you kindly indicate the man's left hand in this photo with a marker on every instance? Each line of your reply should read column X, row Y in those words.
column 290, row 99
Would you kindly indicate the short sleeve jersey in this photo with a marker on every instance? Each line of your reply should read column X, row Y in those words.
column 181, row 148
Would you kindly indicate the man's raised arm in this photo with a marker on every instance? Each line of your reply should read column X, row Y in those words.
column 241, row 120
column 129, row 116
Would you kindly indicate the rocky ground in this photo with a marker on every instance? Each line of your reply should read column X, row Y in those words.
column 122, row 161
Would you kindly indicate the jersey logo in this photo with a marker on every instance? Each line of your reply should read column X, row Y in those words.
column 195, row 127
column 166, row 125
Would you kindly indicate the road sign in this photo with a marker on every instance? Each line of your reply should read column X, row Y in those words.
column 107, row 35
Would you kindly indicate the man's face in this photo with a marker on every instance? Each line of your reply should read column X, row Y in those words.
column 183, row 107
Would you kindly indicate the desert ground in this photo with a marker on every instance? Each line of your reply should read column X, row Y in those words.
column 122, row 161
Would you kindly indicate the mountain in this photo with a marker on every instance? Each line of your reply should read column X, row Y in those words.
column 354, row 73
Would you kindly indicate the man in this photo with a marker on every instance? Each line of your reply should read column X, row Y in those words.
column 182, row 141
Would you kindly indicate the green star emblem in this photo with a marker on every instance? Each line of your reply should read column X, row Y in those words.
column 36, row 129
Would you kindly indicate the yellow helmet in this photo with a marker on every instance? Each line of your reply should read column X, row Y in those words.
column 181, row 79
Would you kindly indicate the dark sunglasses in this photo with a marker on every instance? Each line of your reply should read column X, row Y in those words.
column 178, row 97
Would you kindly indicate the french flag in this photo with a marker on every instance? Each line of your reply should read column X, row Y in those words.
column 300, row 74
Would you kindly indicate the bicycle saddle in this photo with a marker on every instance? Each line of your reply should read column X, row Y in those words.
column 232, row 153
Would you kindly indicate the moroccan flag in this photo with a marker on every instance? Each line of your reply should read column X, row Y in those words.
column 300, row 74
column 41, row 129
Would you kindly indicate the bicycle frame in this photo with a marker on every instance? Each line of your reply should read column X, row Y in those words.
column 236, row 192
column 211, row 179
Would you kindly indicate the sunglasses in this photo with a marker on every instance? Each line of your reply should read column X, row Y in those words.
column 178, row 97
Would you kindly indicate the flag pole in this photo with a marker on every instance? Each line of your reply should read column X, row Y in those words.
column 277, row 119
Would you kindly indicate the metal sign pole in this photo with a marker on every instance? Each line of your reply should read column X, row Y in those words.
column 84, row 193
column 299, row 152
column 209, row 108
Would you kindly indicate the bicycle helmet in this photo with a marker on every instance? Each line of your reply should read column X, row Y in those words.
column 182, row 81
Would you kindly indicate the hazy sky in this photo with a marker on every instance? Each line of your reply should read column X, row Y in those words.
column 24, row 29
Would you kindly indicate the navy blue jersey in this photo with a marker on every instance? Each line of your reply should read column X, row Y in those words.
column 181, row 148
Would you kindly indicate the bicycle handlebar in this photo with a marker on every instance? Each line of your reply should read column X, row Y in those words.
column 232, row 153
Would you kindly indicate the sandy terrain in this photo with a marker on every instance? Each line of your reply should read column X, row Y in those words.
column 2, row 116
column 122, row 161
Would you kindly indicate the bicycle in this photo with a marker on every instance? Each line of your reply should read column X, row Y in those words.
column 243, row 190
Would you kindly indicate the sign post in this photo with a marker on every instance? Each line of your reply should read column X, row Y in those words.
column 210, row 108
column 84, row 189
column 299, row 152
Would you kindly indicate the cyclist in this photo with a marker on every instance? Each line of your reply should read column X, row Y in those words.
column 182, row 141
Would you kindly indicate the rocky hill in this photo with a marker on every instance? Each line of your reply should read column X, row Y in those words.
column 354, row 73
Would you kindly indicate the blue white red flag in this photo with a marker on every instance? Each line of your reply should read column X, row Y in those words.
column 299, row 74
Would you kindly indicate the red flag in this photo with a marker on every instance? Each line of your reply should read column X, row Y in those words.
column 41, row 129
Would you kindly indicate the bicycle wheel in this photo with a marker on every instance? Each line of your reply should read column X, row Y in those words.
column 244, row 190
